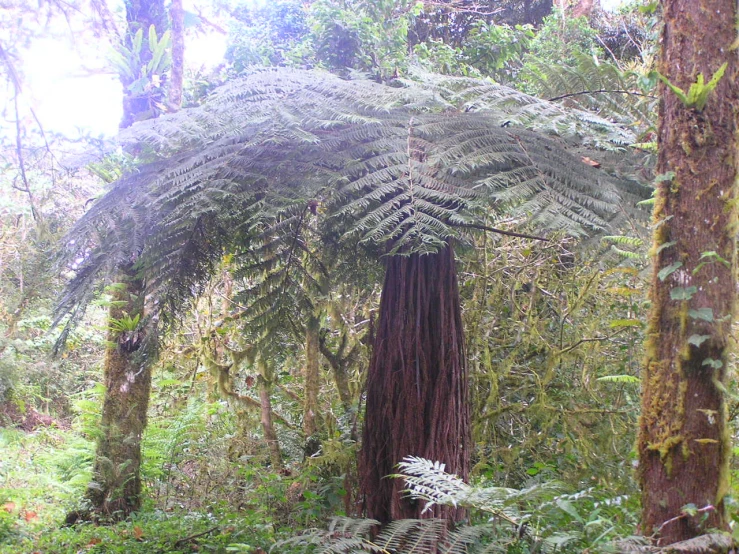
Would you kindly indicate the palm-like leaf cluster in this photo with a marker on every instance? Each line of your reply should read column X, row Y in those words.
column 402, row 168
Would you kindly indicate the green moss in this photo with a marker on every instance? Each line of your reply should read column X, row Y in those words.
column 707, row 189
column 664, row 447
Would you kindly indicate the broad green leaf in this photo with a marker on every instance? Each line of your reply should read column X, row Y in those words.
column 697, row 340
column 706, row 314
column 153, row 41
column 669, row 270
column 138, row 39
column 683, row 293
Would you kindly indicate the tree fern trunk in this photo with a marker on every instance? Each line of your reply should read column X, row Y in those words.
column 417, row 384
column 684, row 441
column 115, row 490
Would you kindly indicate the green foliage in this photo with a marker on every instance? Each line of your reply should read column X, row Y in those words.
column 152, row 531
column 380, row 38
column 698, row 93
column 599, row 86
column 564, row 39
column 391, row 165
column 496, row 50
column 544, row 323
column 515, row 521
column 363, row 35
column 270, row 34
column 490, row 50
column 142, row 65
column 41, row 474
column 124, row 324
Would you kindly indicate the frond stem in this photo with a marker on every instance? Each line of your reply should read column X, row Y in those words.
column 582, row 92
column 499, row 231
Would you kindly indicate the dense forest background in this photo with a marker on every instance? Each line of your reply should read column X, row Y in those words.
column 257, row 329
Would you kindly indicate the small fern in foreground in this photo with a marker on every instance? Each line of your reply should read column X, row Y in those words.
column 539, row 518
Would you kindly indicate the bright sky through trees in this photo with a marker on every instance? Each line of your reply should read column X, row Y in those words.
column 70, row 86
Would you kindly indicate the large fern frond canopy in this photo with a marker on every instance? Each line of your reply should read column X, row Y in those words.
column 404, row 167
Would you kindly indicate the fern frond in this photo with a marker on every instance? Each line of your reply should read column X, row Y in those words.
column 599, row 87
column 399, row 168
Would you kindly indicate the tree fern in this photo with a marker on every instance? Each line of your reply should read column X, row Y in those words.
column 405, row 167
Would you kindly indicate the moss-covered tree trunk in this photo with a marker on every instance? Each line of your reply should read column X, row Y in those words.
column 683, row 441
column 339, row 363
column 417, row 390
column 115, row 490
column 264, row 381
column 311, row 376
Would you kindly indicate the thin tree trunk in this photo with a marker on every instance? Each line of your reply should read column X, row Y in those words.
column 177, row 20
column 684, row 441
column 341, row 378
column 265, row 389
column 115, row 490
column 312, row 385
column 339, row 363
column 417, row 390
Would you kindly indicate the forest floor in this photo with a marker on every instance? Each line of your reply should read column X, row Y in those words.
column 43, row 474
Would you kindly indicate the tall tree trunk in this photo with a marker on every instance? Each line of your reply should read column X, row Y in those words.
column 115, row 490
column 417, row 390
column 312, row 385
column 683, row 440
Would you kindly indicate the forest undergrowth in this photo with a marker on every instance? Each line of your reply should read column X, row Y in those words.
column 267, row 289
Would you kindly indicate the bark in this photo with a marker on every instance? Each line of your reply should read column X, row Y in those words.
column 115, row 490
column 417, row 390
column 177, row 19
column 683, row 440
column 312, row 385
